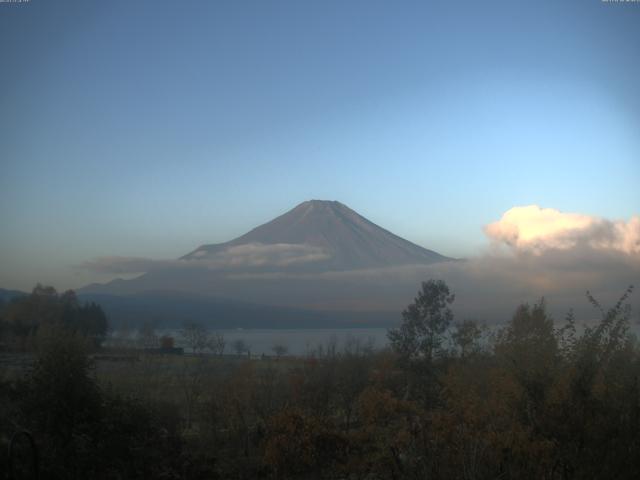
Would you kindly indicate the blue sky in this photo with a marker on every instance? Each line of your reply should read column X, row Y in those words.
column 148, row 128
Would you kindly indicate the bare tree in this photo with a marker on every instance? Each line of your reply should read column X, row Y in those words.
column 280, row 349
column 195, row 337
column 240, row 346
column 216, row 343
column 358, row 347
column 147, row 337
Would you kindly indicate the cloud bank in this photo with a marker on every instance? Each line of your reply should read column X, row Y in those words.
column 252, row 255
column 536, row 230
column 261, row 255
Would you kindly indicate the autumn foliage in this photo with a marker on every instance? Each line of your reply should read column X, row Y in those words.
column 532, row 399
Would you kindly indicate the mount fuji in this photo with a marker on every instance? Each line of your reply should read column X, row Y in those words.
column 319, row 256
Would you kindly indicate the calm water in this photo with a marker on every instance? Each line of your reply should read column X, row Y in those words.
column 297, row 341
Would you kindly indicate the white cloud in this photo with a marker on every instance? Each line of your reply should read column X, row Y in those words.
column 535, row 229
column 262, row 255
column 252, row 255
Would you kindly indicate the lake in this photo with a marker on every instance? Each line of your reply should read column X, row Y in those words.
column 297, row 341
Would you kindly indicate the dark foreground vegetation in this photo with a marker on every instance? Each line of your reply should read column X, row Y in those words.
column 534, row 400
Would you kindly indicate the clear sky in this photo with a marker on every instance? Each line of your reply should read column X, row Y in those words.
column 147, row 128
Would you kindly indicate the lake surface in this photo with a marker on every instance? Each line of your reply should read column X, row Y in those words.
column 296, row 341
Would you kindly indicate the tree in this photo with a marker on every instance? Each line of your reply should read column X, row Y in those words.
column 424, row 323
column 195, row 337
column 240, row 346
column 300, row 445
column 61, row 400
column 44, row 306
column 466, row 337
column 89, row 319
column 527, row 350
column 147, row 336
column 25, row 314
column 279, row 349
column 216, row 343
column 529, row 345
column 83, row 430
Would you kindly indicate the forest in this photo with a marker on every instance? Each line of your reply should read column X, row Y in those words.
column 536, row 398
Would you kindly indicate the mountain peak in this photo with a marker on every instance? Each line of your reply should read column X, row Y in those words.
column 319, row 202
column 321, row 205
